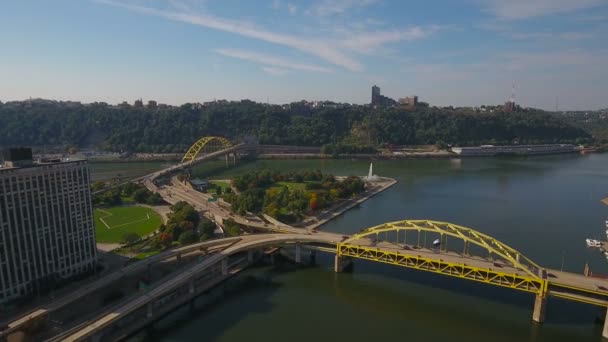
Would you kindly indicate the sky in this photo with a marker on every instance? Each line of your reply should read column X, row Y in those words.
column 554, row 53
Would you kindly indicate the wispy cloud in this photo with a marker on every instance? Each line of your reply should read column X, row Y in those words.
column 316, row 47
column 571, row 36
column 523, row 9
column 276, row 4
column 274, row 71
column 292, row 9
column 333, row 7
column 558, row 59
column 366, row 42
column 333, row 50
column 271, row 62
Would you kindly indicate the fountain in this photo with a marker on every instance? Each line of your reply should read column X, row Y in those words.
column 371, row 177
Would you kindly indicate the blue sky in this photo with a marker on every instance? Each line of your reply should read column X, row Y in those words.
column 447, row 52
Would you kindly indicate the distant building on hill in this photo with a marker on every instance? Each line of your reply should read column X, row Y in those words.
column 409, row 102
column 379, row 100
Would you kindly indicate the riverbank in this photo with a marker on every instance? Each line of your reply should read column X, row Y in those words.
column 314, row 222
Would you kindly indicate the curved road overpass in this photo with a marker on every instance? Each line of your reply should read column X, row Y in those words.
column 245, row 243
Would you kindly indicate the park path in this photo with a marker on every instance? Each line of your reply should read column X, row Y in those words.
column 162, row 210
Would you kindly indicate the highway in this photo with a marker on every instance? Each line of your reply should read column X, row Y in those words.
column 105, row 281
column 245, row 243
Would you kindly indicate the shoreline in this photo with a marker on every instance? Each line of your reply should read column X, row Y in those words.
column 299, row 156
column 313, row 223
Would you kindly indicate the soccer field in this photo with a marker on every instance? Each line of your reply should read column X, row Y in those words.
column 112, row 223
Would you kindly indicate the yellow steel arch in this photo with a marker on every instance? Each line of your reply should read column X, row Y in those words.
column 195, row 149
column 468, row 235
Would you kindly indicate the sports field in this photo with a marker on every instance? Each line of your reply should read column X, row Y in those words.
column 112, row 223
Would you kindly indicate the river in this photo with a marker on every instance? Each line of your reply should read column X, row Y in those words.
column 543, row 206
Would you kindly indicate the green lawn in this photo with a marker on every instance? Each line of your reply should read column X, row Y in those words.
column 291, row 186
column 223, row 185
column 112, row 223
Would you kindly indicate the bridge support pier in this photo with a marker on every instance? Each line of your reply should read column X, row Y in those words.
column 605, row 330
column 313, row 257
column 225, row 266
column 149, row 313
column 178, row 258
column 298, row 254
column 341, row 263
column 250, row 256
column 540, row 304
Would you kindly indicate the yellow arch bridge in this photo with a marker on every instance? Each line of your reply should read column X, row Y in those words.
column 461, row 252
column 206, row 145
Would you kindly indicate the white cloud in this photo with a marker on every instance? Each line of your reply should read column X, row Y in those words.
column 271, row 61
column 317, row 47
column 274, row 71
column 334, row 51
column 366, row 42
column 292, row 8
column 276, row 4
column 571, row 36
column 523, row 9
column 333, row 7
column 553, row 59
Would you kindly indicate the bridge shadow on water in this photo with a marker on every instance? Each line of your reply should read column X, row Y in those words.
column 427, row 304
column 250, row 291
column 429, row 285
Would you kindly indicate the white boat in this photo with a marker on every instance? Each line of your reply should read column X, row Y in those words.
column 593, row 243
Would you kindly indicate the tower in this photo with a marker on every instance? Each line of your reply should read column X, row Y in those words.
column 375, row 94
column 46, row 223
column 510, row 105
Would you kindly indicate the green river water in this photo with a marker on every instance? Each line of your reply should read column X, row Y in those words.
column 543, row 206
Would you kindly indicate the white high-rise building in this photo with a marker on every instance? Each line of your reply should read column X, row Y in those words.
column 46, row 223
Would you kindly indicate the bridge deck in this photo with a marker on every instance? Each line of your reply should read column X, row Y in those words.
column 573, row 286
column 451, row 257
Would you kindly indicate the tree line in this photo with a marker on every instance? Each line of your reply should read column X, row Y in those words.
column 126, row 128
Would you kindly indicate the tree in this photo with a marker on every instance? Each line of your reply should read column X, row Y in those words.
column 97, row 186
column 206, row 229
column 173, row 128
column 141, row 195
column 129, row 188
column 165, row 239
column 218, row 190
column 130, row 237
column 231, row 228
column 188, row 237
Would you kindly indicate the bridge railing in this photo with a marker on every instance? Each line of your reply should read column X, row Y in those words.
column 441, row 237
